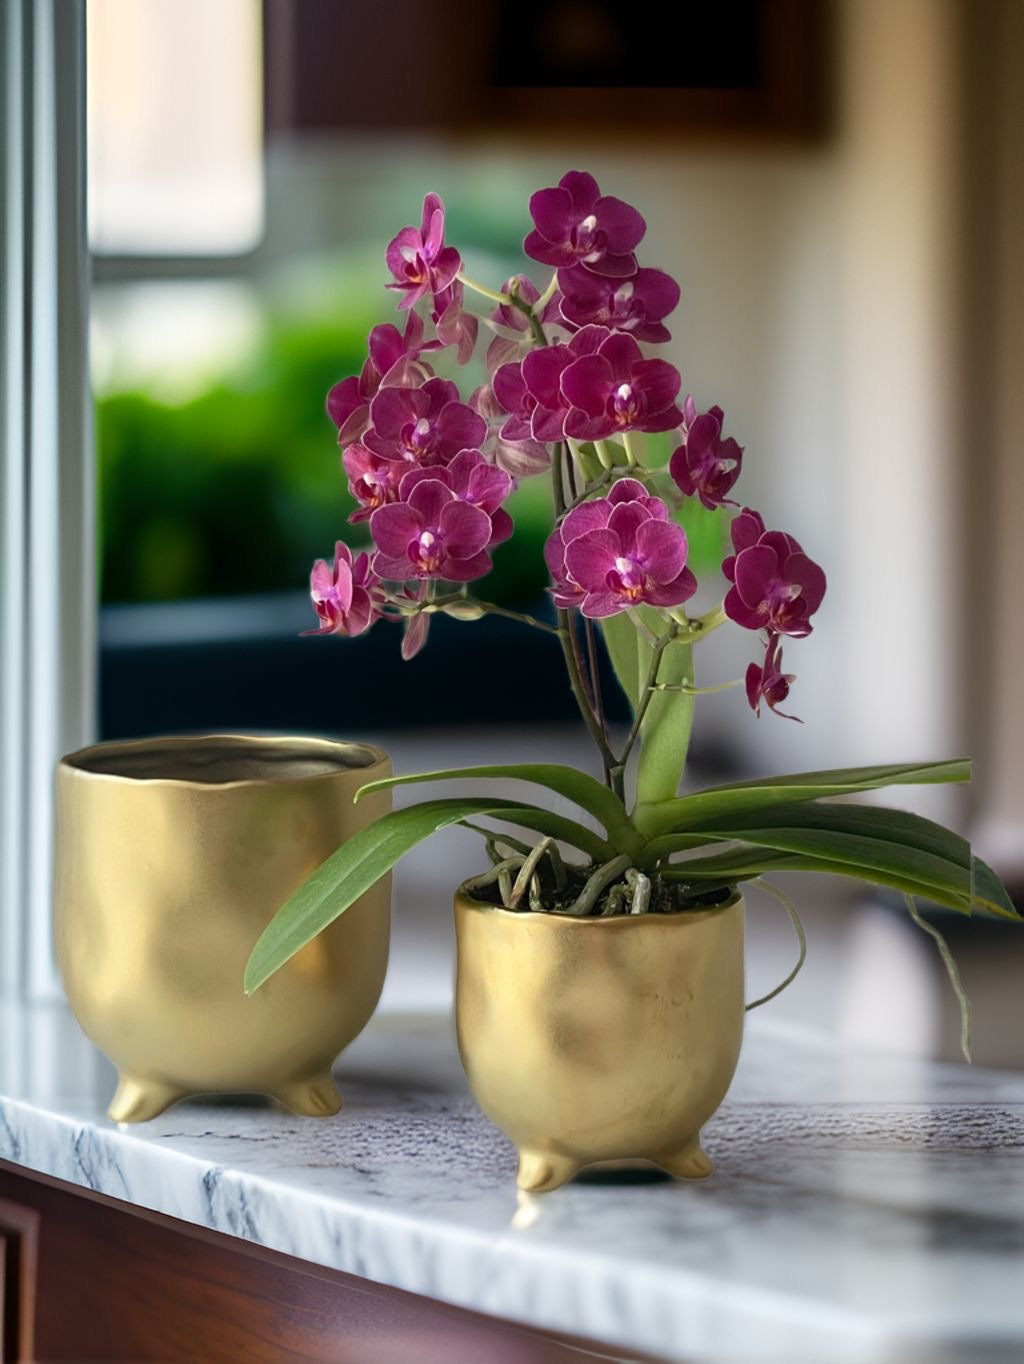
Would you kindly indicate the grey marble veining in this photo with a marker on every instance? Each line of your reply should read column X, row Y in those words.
column 866, row 1207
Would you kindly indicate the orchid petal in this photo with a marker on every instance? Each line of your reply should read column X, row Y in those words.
column 465, row 529
column 586, row 383
column 591, row 557
column 664, row 548
column 553, row 213
column 755, row 570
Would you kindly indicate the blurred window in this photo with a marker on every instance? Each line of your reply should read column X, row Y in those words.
column 175, row 126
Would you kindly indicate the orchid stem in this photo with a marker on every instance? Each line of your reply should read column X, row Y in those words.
column 494, row 610
column 506, row 299
column 534, row 321
column 595, row 485
column 645, row 634
column 595, row 691
column 547, row 295
column 567, row 636
column 699, row 691
column 628, row 440
column 579, row 691
column 693, row 631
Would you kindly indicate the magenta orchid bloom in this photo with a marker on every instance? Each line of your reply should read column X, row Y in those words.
column 705, row 465
column 416, row 628
column 372, row 479
column 434, row 534
column 347, row 597
column 519, row 458
column 530, row 392
column 635, row 305
column 419, row 259
column 576, row 223
column 514, row 338
column 775, row 585
column 427, row 425
column 431, row 473
column 455, row 327
column 589, row 516
column 522, row 287
column 472, row 479
column 768, row 682
column 620, row 551
column 393, row 361
column 615, row 390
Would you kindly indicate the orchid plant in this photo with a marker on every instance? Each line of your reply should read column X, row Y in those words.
column 571, row 397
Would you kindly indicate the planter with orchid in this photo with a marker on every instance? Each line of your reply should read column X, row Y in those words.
column 599, row 993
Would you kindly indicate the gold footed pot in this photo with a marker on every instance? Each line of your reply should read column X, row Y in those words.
column 596, row 1040
column 172, row 857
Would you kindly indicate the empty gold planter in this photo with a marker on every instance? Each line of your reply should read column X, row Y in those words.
column 592, row 1040
column 172, row 857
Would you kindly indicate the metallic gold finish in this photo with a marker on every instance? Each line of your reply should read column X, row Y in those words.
column 172, row 857
column 596, row 1040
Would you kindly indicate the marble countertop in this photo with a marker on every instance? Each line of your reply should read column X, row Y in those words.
column 866, row 1207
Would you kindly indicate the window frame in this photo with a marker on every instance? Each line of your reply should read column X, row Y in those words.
column 47, row 530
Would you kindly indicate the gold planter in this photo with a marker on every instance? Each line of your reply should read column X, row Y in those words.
column 172, row 856
column 593, row 1040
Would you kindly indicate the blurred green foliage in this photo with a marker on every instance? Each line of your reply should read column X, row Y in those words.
column 239, row 487
column 236, row 489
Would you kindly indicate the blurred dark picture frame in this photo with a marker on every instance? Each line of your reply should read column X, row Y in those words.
column 545, row 69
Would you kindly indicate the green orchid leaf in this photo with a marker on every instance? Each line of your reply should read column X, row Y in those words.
column 988, row 893
column 665, row 732
column 899, row 827
column 670, row 816
column 363, row 859
column 583, row 790
column 889, row 841
column 735, row 865
column 622, row 640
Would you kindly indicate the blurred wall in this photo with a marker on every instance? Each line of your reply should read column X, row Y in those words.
column 992, row 641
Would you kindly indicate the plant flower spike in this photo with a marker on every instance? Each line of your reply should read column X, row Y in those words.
column 572, row 393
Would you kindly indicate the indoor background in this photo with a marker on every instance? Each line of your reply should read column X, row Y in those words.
column 838, row 188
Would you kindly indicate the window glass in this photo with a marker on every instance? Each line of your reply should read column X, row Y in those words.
column 175, row 126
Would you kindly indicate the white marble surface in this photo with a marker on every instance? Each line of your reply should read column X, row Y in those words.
column 866, row 1207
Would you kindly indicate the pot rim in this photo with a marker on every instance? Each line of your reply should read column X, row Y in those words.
column 466, row 900
column 340, row 751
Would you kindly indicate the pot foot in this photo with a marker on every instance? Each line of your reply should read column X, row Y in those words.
column 140, row 1100
column 541, row 1171
column 316, row 1098
column 689, row 1163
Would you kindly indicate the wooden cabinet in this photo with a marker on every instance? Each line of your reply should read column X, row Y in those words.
column 87, row 1278
column 19, row 1246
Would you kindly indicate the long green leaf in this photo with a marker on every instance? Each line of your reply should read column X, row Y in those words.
column 903, row 846
column 368, row 855
column 583, row 790
column 900, row 827
column 665, row 736
column 621, row 639
column 735, row 865
column 686, row 811
column 855, row 843
column 665, row 732
column 989, row 894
